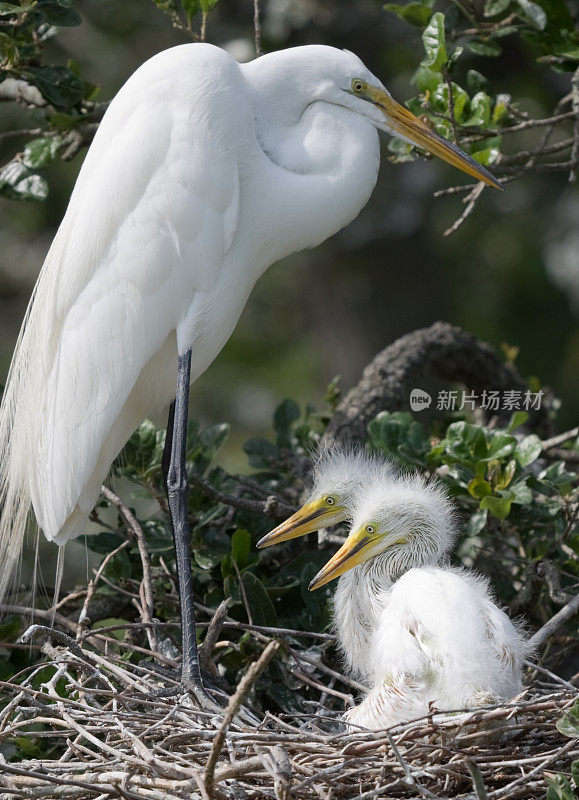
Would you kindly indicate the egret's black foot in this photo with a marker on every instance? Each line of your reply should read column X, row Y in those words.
column 207, row 696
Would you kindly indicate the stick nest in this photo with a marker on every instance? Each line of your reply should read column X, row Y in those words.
column 108, row 736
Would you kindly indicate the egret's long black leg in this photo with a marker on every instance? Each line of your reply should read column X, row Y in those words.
column 177, row 495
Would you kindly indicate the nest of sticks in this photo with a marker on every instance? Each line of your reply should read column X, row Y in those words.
column 110, row 736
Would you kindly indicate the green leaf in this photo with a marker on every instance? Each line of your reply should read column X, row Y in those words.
column 519, row 418
column 475, row 82
column 501, row 445
column 488, row 48
column 479, row 487
column 500, row 109
column 454, row 56
column 486, row 151
column 440, row 100
column 9, row 8
column 241, row 547
column 507, row 475
column 104, row 542
column 402, row 152
column 477, row 522
column 283, row 417
column 190, row 7
column 41, row 152
column 559, row 788
column 258, row 600
column 119, row 567
column 426, row 80
column 144, row 449
column 465, row 442
column 65, row 122
column 498, row 506
column 213, row 437
column 261, row 453
column 17, row 182
column 210, row 547
column 208, row 5
column 568, row 725
column 521, row 493
column 575, row 771
column 434, row 43
column 495, row 7
column 528, row 450
column 58, row 85
column 533, row 13
column 480, row 110
column 507, row 30
column 9, row 628
column 399, row 435
column 168, row 6
column 414, row 13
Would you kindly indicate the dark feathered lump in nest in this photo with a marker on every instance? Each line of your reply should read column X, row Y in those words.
column 110, row 737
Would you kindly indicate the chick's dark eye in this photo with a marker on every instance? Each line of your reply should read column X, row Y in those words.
column 330, row 501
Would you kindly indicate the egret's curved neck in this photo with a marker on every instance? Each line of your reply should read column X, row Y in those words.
column 321, row 162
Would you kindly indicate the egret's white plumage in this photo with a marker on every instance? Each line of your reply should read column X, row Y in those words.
column 417, row 632
column 200, row 176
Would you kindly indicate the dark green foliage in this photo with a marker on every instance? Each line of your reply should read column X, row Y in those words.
column 57, row 99
column 449, row 39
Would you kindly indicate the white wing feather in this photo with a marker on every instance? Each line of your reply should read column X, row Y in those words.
column 154, row 211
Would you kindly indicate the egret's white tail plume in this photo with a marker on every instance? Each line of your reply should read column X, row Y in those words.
column 21, row 422
column 15, row 417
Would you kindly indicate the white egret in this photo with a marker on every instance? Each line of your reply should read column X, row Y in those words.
column 202, row 173
column 419, row 633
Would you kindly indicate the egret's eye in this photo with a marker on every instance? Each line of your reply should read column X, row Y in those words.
column 358, row 86
column 370, row 529
column 330, row 500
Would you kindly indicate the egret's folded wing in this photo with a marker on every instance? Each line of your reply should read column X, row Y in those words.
column 153, row 212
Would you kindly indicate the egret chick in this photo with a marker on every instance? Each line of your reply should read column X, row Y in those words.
column 338, row 474
column 420, row 633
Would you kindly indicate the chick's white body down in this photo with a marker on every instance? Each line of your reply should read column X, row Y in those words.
column 432, row 639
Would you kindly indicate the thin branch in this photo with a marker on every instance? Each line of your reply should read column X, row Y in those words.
column 555, row 622
column 575, row 102
column 273, row 507
column 471, row 201
column 148, row 596
column 212, row 634
column 257, row 29
column 233, row 707
column 83, row 620
column 561, row 438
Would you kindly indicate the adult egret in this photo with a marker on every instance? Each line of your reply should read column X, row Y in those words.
column 202, row 173
column 417, row 632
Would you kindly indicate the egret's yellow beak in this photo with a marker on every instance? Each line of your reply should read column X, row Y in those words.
column 403, row 122
column 356, row 549
column 311, row 517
